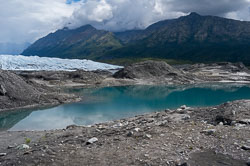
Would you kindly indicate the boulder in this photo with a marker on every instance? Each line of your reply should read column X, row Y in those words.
column 2, row 90
column 209, row 131
column 23, row 146
column 245, row 147
column 92, row 140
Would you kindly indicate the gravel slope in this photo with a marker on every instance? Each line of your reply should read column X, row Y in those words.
column 186, row 136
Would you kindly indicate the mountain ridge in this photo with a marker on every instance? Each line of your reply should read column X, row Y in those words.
column 65, row 43
column 192, row 37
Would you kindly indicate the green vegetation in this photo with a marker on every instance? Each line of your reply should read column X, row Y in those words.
column 84, row 42
column 27, row 140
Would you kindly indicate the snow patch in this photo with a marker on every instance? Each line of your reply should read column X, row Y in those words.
column 35, row 63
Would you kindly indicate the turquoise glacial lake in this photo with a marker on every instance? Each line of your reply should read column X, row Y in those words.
column 112, row 103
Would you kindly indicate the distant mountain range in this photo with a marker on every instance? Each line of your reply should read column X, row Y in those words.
column 84, row 42
column 13, row 48
column 193, row 38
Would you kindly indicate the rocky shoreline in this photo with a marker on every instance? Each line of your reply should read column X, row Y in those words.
column 216, row 135
column 38, row 88
column 186, row 136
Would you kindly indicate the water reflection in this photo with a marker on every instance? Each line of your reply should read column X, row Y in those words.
column 10, row 119
column 111, row 103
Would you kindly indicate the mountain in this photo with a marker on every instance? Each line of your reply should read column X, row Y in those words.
column 192, row 38
column 83, row 42
column 13, row 48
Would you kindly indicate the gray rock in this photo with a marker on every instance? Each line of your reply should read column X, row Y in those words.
column 183, row 164
column 209, row 131
column 71, row 127
column 118, row 125
column 183, row 107
column 3, row 154
column 50, row 152
column 233, row 123
column 244, row 121
column 10, row 147
column 185, row 117
column 137, row 129
column 148, row 136
column 209, row 158
column 162, row 123
column 23, row 146
column 2, row 90
column 178, row 117
column 130, row 134
column 179, row 109
column 92, row 140
column 245, row 147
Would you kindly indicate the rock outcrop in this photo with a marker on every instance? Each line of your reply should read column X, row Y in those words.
column 220, row 72
column 79, row 76
column 16, row 92
column 154, row 71
column 32, row 87
column 161, row 73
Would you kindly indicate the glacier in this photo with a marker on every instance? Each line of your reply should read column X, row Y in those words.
column 35, row 63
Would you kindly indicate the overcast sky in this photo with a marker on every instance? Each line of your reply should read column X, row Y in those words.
column 28, row 20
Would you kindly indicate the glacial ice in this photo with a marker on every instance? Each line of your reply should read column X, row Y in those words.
column 35, row 63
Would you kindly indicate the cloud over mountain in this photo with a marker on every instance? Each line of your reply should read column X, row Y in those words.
column 28, row 20
column 117, row 15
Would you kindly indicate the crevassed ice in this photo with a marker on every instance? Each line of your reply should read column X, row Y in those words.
column 35, row 63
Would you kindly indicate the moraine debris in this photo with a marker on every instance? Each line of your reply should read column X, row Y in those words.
column 92, row 140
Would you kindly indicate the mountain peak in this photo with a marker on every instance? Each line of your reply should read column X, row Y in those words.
column 81, row 28
column 194, row 14
column 86, row 27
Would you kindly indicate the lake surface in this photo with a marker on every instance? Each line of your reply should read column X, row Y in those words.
column 111, row 103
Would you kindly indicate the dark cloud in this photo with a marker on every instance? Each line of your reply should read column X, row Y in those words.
column 128, row 14
column 209, row 7
column 25, row 21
